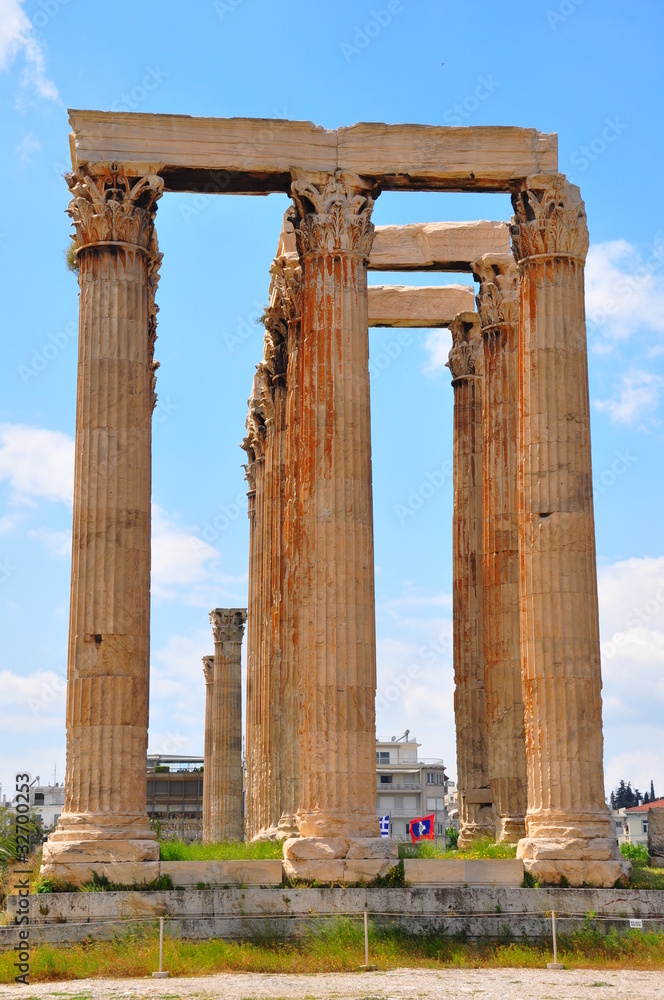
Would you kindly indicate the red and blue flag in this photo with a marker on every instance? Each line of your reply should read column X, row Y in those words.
column 422, row 828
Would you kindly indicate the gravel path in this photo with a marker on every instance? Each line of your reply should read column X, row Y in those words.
column 400, row 984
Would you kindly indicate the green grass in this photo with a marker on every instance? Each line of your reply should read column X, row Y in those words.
column 178, row 850
column 484, row 848
column 643, row 877
column 338, row 948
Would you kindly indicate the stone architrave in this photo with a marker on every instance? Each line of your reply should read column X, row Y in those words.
column 568, row 826
column 208, row 671
column 465, row 364
column 105, row 817
column 498, row 308
column 226, row 822
column 334, row 606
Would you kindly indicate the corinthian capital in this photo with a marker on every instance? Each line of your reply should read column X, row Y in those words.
column 109, row 207
column 228, row 624
column 258, row 414
column 333, row 215
column 286, row 276
column 498, row 297
column 549, row 218
column 275, row 344
column 466, row 356
column 208, row 669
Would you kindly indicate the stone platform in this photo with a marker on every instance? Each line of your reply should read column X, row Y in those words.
column 245, row 913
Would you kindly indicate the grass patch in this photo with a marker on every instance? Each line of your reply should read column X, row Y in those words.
column 178, row 850
column 646, row 878
column 484, row 848
column 336, row 948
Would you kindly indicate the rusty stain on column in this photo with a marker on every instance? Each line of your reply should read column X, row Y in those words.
column 336, row 635
column 568, row 827
column 498, row 308
column 465, row 364
column 105, row 815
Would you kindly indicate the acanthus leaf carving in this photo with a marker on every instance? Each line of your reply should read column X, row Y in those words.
column 228, row 624
column 109, row 207
column 549, row 219
column 498, row 297
column 333, row 216
column 467, row 353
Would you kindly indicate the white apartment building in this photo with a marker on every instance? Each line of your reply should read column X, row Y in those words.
column 48, row 801
column 408, row 787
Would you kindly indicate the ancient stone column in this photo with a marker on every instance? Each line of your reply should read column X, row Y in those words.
column 104, row 817
column 568, row 827
column 498, row 308
column 287, row 278
column 208, row 671
column 465, row 363
column 254, row 445
column 226, row 822
column 336, row 634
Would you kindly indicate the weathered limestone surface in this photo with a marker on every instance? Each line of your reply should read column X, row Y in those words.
column 208, row 750
column 253, row 444
column 656, row 834
column 418, row 306
column 498, row 307
column 425, row 246
column 466, row 365
column 104, row 817
column 567, row 821
column 479, row 871
column 232, row 155
column 226, row 821
column 335, row 623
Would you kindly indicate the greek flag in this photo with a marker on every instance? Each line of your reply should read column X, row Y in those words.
column 385, row 825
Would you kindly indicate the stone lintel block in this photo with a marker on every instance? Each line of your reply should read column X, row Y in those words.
column 656, row 831
column 494, row 871
column 309, row 848
column 121, row 872
column 575, row 849
column 373, row 847
column 318, row 869
column 190, row 873
column 260, row 872
column 435, row 871
column 578, row 873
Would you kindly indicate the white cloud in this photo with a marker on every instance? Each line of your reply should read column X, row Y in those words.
column 28, row 148
column 637, row 397
column 56, row 543
column 8, row 522
column 437, row 345
column 37, row 462
column 624, row 293
column 17, row 37
column 178, row 556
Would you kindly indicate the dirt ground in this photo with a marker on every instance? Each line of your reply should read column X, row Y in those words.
column 400, row 984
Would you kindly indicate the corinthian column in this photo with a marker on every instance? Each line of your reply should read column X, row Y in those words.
column 287, row 280
column 208, row 671
column 105, row 818
column 465, row 364
column 226, row 786
column 498, row 307
column 335, row 629
column 568, row 827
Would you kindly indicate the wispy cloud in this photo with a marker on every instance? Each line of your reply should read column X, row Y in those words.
column 56, row 543
column 28, row 148
column 17, row 38
column 437, row 346
column 624, row 292
column 636, row 398
column 37, row 463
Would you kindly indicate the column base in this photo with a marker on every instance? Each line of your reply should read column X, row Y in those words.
column 510, row 829
column 470, row 833
column 100, row 840
column 338, row 824
column 594, row 859
column 605, row 874
column 339, row 859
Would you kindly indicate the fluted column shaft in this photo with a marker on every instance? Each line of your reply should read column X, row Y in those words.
column 567, row 819
column 287, row 277
column 226, row 821
column 336, row 651
column 465, row 364
column 498, row 307
column 252, row 706
column 208, row 671
column 105, row 816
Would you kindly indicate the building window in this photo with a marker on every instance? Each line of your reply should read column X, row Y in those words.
column 645, row 821
column 386, row 779
column 440, row 829
column 382, row 756
column 431, row 779
column 439, row 779
column 39, row 798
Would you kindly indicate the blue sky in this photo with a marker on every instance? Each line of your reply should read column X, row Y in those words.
column 590, row 71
